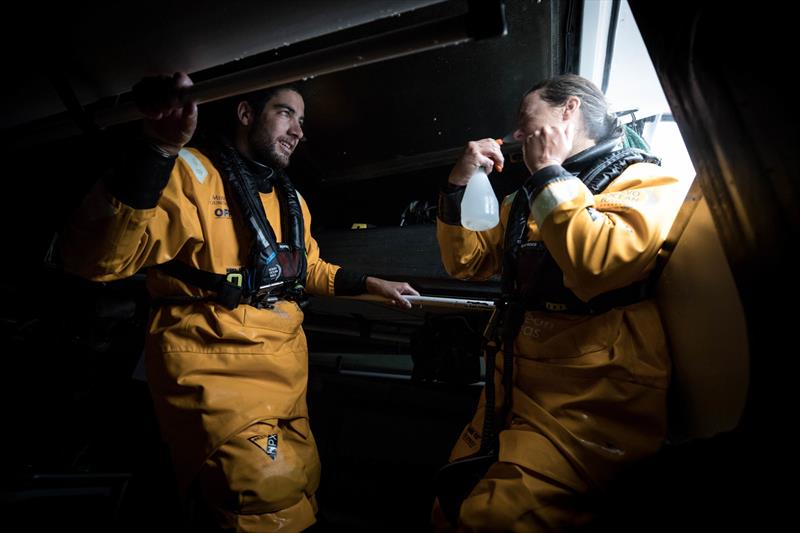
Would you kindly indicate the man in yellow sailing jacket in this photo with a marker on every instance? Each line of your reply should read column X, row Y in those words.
column 575, row 245
column 226, row 356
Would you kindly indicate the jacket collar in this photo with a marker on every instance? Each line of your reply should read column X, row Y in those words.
column 581, row 160
column 263, row 176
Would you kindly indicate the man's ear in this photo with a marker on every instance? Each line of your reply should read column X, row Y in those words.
column 244, row 113
column 571, row 106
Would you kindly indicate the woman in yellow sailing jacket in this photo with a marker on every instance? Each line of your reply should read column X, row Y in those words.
column 575, row 245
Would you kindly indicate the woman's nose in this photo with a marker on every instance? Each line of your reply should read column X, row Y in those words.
column 518, row 135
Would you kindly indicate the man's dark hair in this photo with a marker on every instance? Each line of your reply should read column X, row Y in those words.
column 220, row 117
column 599, row 123
column 258, row 99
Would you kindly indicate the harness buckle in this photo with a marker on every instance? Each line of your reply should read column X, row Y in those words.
column 229, row 293
column 267, row 295
column 234, row 278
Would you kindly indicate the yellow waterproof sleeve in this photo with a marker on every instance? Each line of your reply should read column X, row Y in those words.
column 320, row 274
column 476, row 255
column 600, row 242
column 109, row 240
column 610, row 240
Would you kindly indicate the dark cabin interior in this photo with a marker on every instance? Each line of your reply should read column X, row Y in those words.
column 393, row 92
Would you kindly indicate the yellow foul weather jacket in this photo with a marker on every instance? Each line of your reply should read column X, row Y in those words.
column 589, row 391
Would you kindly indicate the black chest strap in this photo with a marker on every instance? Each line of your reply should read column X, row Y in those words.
column 227, row 289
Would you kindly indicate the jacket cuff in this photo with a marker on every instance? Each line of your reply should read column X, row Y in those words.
column 543, row 177
column 450, row 197
column 141, row 176
column 349, row 283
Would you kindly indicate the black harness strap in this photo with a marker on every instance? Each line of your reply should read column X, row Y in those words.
column 456, row 480
column 228, row 292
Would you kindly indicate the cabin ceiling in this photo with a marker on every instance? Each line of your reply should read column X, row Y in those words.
column 403, row 113
column 104, row 48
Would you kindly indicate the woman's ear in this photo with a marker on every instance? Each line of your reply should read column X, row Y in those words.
column 244, row 113
column 571, row 106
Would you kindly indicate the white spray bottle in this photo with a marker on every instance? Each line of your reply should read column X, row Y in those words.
column 479, row 208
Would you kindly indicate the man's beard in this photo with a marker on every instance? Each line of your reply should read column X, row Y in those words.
column 269, row 154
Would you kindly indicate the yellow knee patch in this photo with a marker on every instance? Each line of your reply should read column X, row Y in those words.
column 271, row 465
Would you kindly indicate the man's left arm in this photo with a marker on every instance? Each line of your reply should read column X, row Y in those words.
column 327, row 279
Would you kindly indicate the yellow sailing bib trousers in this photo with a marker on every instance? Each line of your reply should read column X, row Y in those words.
column 229, row 386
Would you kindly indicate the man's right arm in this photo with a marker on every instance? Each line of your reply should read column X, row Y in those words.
column 122, row 224
column 107, row 237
